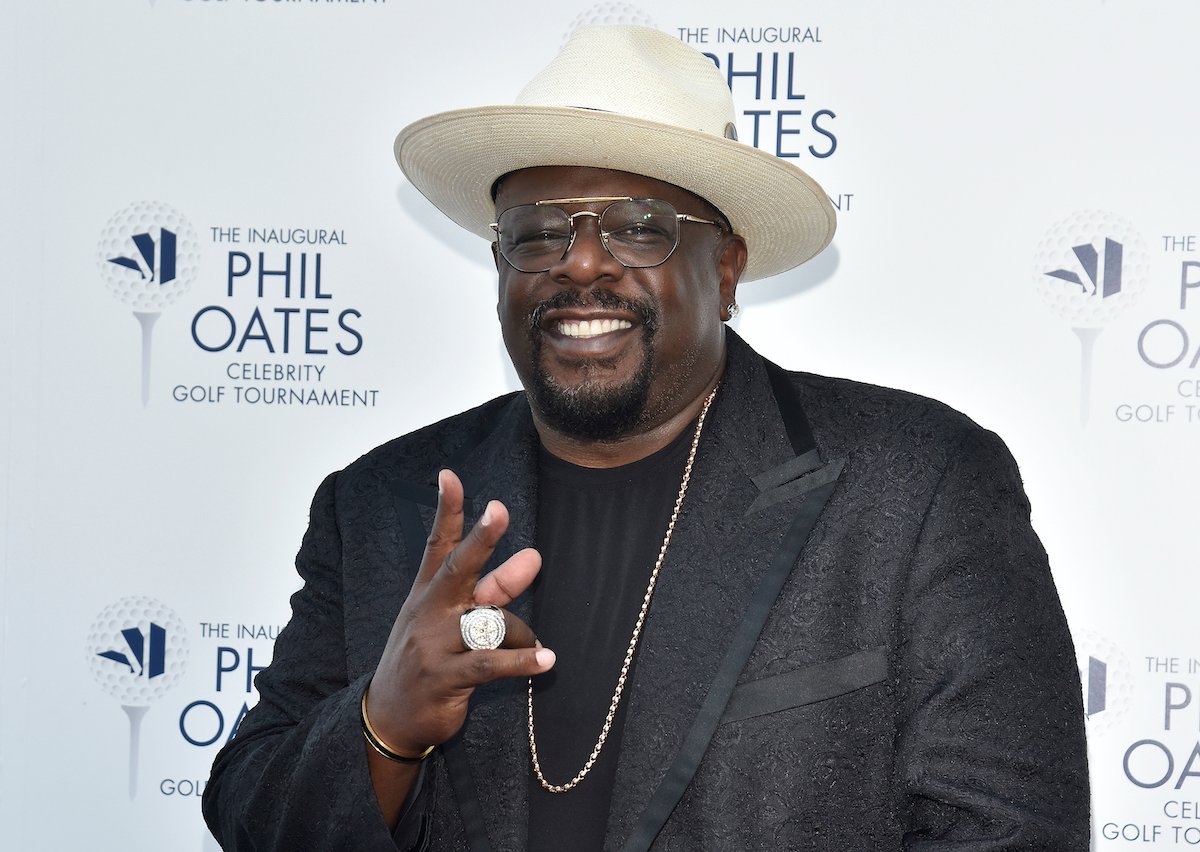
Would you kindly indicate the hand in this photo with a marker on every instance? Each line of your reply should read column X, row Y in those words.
column 419, row 694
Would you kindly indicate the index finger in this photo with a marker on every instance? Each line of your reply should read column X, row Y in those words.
column 460, row 570
column 447, row 528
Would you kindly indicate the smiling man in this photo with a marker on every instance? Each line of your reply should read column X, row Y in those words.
column 670, row 596
column 618, row 339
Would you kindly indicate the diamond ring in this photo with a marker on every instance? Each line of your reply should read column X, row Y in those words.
column 482, row 628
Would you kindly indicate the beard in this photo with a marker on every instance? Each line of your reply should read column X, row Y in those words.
column 592, row 409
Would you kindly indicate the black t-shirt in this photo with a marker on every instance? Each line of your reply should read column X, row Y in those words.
column 599, row 531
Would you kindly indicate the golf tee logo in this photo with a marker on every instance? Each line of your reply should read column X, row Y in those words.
column 148, row 257
column 137, row 650
column 1089, row 268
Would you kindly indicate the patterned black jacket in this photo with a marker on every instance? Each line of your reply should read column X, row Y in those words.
column 855, row 644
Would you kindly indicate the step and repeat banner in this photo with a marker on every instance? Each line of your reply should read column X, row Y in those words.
column 219, row 288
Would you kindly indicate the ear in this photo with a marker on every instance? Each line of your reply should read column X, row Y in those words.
column 730, row 264
column 496, row 254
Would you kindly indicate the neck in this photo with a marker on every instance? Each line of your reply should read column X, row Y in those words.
column 628, row 448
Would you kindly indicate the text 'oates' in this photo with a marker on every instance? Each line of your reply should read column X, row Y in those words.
column 292, row 309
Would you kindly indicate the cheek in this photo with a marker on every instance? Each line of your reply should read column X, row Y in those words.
column 508, row 296
column 512, row 310
column 695, row 303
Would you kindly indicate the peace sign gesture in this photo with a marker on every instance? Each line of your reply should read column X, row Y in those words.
column 419, row 694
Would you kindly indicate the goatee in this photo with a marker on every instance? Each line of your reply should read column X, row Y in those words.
column 592, row 409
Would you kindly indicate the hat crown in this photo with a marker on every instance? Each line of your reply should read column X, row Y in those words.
column 629, row 99
column 639, row 72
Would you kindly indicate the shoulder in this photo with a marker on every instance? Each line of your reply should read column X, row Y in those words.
column 858, row 408
column 887, row 426
column 849, row 418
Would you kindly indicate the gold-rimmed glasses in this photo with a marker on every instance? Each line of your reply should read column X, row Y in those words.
column 638, row 232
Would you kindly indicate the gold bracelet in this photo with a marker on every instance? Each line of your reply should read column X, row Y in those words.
column 380, row 746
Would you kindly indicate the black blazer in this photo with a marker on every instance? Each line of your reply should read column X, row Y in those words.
column 855, row 644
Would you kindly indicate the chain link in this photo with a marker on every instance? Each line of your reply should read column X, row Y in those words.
column 637, row 631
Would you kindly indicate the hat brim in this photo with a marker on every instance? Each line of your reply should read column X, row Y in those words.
column 453, row 158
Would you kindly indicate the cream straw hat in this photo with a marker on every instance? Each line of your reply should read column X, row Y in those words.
column 633, row 99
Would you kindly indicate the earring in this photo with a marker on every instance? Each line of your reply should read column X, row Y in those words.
column 733, row 309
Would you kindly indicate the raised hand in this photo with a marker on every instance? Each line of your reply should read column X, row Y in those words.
column 420, row 691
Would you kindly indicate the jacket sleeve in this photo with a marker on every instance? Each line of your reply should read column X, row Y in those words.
column 991, row 753
column 295, row 776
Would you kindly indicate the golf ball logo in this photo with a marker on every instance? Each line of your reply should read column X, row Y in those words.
column 1089, row 268
column 610, row 13
column 148, row 256
column 137, row 650
column 1105, row 674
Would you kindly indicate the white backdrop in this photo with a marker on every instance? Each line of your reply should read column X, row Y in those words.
column 971, row 148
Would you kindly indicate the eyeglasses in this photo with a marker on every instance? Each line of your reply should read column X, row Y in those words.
column 638, row 232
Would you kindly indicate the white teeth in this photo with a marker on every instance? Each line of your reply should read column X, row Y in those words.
column 592, row 328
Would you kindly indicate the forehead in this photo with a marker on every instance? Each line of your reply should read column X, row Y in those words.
column 538, row 184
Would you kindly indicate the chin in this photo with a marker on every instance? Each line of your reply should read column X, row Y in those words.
column 605, row 400
column 592, row 410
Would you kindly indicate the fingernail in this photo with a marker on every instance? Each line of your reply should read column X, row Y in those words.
column 487, row 516
column 441, row 473
column 545, row 657
column 537, row 643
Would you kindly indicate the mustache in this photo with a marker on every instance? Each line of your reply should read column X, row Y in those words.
column 595, row 297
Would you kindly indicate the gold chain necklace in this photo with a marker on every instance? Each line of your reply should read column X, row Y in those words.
column 637, row 631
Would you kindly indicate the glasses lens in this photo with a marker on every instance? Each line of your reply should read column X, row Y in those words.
column 533, row 237
column 641, row 232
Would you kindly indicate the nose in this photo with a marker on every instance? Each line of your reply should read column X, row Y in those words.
column 586, row 259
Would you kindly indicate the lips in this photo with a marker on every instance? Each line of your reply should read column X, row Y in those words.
column 589, row 324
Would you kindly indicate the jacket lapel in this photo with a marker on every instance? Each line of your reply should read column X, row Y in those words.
column 758, row 486
column 488, row 762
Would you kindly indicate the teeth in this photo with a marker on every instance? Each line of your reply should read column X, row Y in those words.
column 592, row 328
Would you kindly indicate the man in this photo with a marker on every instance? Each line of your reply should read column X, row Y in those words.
column 671, row 596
